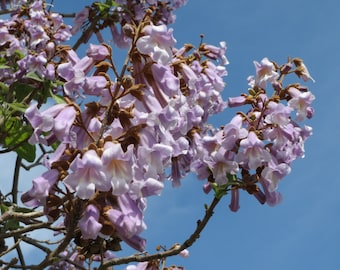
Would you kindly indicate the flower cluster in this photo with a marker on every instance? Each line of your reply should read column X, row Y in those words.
column 145, row 124
column 259, row 145
column 115, row 152
column 28, row 42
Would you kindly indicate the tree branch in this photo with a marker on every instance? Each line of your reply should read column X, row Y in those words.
column 67, row 239
column 171, row 252
column 19, row 232
column 34, row 242
column 16, row 180
column 10, row 214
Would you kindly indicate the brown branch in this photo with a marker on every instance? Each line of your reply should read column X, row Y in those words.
column 19, row 232
column 34, row 242
column 171, row 252
column 16, row 180
column 65, row 242
column 10, row 214
column 15, row 201
column 10, row 264
column 68, row 15
column 8, row 250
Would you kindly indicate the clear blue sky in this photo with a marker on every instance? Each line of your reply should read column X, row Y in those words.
column 303, row 232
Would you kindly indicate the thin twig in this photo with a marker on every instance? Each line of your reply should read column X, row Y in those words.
column 14, row 246
column 15, row 201
column 10, row 214
column 11, row 264
column 68, row 15
column 67, row 239
column 34, row 242
column 16, row 180
column 171, row 252
column 19, row 232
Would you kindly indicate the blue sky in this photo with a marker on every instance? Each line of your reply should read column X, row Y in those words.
column 303, row 232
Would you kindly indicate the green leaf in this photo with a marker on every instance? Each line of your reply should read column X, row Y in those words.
column 3, row 66
column 58, row 99
column 3, row 208
column 16, row 132
column 34, row 76
column 19, row 107
column 21, row 90
column 26, row 151
column 16, row 136
column 11, row 225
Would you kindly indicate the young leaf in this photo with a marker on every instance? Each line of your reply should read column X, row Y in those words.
column 26, row 151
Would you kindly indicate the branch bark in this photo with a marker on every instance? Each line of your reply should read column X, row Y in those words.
column 171, row 252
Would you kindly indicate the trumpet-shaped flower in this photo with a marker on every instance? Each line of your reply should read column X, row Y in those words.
column 157, row 42
column 117, row 165
column 88, row 224
column 265, row 72
column 87, row 176
column 253, row 154
column 128, row 221
column 36, row 196
column 301, row 102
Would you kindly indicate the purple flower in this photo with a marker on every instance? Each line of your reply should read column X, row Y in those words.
column 55, row 122
column 265, row 72
column 232, row 132
column 151, row 187
column 36, row 196
column 34, row 63
column 80, row 18
column 167, row 82
column 149, row 172
column 179, row 3
column 88, row 224
column 214, row 52
column 119, row 38
column 272, row 197
column 253, row 154
column 235, row 198
column 74, row 72
column 95, row 85
column 301, row 102
column 273, row 173
column 237, row 101
column 277, row 114
column 87, row 176
column 37, row 13
column 97, row 52
column 157, row 43
column 117, row 166
column 222, row 163
column 38, row 36
column 128, row 221
column 63, row 123
column 61, row 32
column 139, row 266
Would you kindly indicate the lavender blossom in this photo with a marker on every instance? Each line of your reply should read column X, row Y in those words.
column 128, row 221
column 42, row 185
column 87, row 176
column 157, row 42
column 88, row 224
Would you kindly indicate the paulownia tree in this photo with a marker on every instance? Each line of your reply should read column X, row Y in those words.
column 108, row 136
